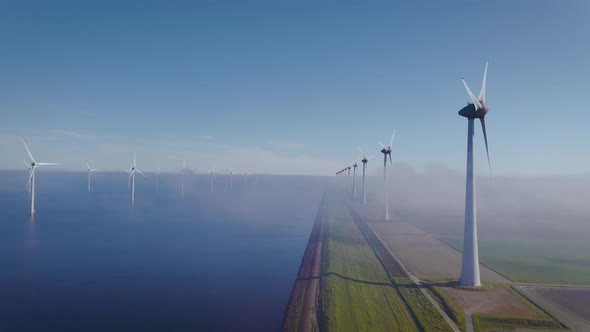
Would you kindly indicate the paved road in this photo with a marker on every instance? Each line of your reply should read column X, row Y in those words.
column 417, row 281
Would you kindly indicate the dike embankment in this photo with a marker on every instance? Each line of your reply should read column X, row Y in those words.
column 301, row 313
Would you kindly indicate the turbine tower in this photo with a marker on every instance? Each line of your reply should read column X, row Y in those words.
column 386, row 150
column 182, row 179
column 157, row 173
column 231, row 180
column 211, row 178
column 477, row 110
column 365, row 160
column 354, row 166
column 90, row 170
column 31, row 184
column 132, row 179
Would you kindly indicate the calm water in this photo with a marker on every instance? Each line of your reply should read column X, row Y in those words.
column 221, row 261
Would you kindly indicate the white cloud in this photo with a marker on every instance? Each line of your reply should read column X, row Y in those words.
column 286, row 144
column 64, row 132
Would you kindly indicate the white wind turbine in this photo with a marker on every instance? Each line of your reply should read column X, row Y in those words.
column 30, row 169
column 231, row 180
column 386, row 150
column 182, row 179
column 212, row 177
column 31, row 184
column 157, row 173
column 90, row 170
column 365, row 160
column 132, row 178
column 354, row 166
column 476, row 110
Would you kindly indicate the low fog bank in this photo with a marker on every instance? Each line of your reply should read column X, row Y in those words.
column 538, row 207
column 555, row 206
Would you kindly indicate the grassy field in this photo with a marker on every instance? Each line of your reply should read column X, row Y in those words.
column 535, row 261
column 355, row 293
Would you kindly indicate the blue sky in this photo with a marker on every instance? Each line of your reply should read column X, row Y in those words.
column 293, row 87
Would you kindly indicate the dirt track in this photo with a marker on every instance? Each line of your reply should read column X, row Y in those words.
column 301, row 314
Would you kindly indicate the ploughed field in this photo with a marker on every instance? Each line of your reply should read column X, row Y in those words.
column 576, row 300
column 424, row 255
column 535, row 261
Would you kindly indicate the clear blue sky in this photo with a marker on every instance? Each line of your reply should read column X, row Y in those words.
column 293, row 87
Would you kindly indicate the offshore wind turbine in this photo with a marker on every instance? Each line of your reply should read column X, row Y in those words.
column 132, row 178
column 30, row 169
column 476, row 110
column 365, row 160
column 182, row 179
column 31, row 184
column 231, row 180
column 386, row 150
column 90, row 170
column 211, row 177
column 157, row 173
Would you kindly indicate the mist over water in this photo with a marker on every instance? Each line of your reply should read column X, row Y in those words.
column 88, row 261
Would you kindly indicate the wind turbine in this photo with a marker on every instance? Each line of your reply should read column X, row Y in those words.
column 477, row 110
column 386, row 150
column 132, row 179
column 31, row 183
column 231, row 180
column 365, row 160
column 211, row 177
column 30, row 169
column 157, row 173
column 90, row 170
column 182, row 179
column 354, row 166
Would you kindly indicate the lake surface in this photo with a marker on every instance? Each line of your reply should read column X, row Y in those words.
column 89, row 261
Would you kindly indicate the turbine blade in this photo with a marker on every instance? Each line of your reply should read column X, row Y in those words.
column 88, row 165
column 391, row 140
column 28, row 151
column 138, row 171
column 383, row 146
column 482, row 92
column 47, row 164
column 30, row 177
column 133, row 159
column 371, row 157
column 27, row 164
column 473, row 99
column 485, row 137
column 390, row 162
column 129, row 180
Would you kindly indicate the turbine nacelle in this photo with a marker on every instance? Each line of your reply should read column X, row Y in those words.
column 472, row 112
column 478, row 110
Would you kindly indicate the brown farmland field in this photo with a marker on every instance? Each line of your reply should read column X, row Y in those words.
column 497, row 302
column 424, row 255
column 575, row 300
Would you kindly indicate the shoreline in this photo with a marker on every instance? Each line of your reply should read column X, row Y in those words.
column 301, row 312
